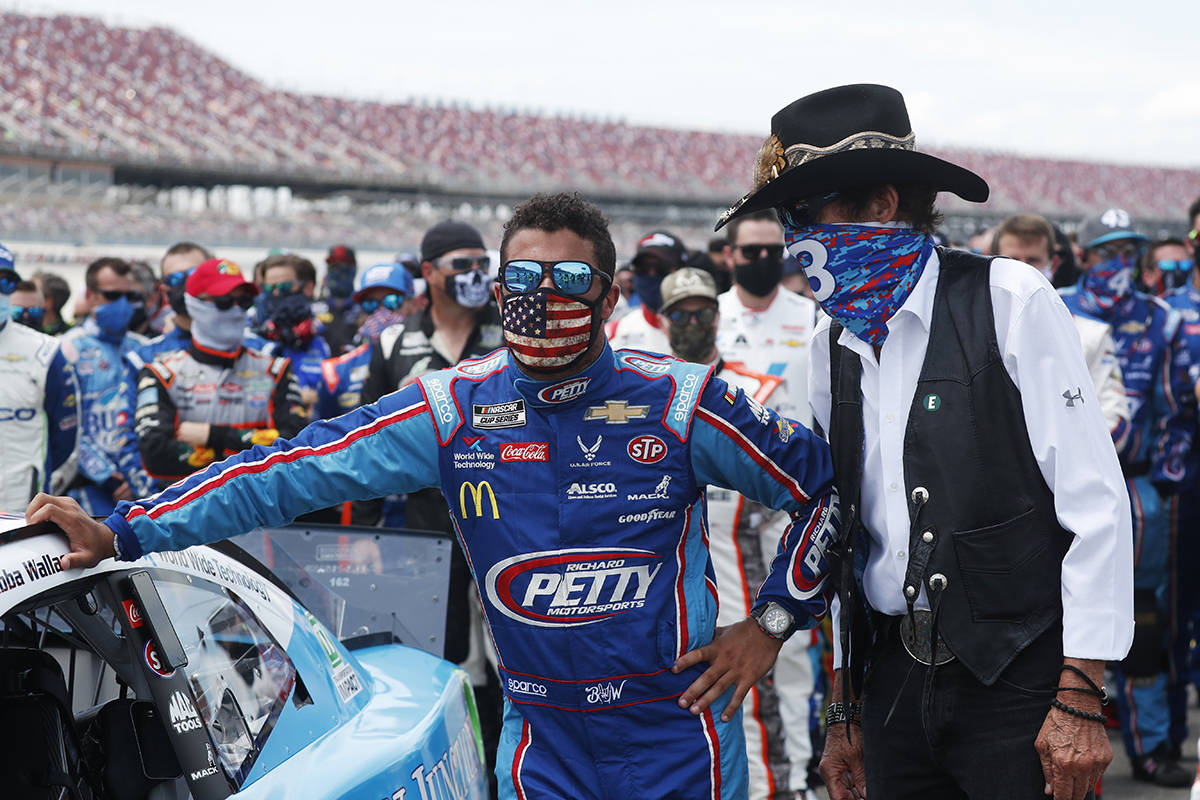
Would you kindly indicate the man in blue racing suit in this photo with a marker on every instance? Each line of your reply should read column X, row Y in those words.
column 575, row 478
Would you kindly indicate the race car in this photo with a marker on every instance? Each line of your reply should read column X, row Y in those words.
column 200, row 674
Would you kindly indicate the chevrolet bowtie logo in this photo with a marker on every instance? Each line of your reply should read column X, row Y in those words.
column 618, row 412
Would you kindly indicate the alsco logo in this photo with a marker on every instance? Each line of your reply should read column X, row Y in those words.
column 566, row 588
column 525, row 451
column 476, row 493
column 565, row 391
column 646, row 449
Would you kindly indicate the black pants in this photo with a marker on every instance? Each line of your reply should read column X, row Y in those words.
column 961, row 740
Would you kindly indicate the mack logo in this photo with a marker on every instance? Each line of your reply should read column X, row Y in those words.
column 659, row 493
column 183, row 713
column 617, row 412
column 684, row 402
column 527, row 687
column 605, row 693
column 565, row 391
column 203, row 773
column 440, row 399
column 577, row 586
column 591, row 491
column 498, row 415
column 476, row 493
column 525, row 451
column 646, row 449
column 648, row 366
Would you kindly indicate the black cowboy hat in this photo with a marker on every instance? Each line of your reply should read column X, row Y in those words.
column 844, row 138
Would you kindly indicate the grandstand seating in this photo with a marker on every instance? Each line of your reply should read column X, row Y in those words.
column 73, row 85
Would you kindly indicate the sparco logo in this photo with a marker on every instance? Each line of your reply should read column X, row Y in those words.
column 562, row 392
column 183, row 714
column 646, row 449
column 591, row 491
column 578, row 586
column 684, row 403
column 526, row 687
column 440, row 399
column 605, row 692
column 525, row 451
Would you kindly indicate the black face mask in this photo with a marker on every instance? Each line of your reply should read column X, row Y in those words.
column 175, row 298
column 139, row 318
column 286, row 310
column 759, row 276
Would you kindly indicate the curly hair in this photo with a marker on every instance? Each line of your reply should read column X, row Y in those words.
column 563, row 211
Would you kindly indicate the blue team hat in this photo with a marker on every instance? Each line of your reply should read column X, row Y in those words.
column 392, row 275
column 7, row 264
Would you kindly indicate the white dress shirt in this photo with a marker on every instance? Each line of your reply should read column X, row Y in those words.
column 1070, row 441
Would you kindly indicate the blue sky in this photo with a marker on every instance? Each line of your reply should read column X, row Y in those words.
column 1099, row 80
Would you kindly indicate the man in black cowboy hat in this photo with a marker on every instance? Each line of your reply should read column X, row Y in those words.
column 987, row 575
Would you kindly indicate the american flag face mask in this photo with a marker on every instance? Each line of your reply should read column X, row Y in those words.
column 547, row 331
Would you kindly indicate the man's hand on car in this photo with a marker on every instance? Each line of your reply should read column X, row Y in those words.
column 91, row 541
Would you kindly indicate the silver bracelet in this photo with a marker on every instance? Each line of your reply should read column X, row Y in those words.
column 117, row 547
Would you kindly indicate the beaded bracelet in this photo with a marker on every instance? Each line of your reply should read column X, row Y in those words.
column 1077, row 712
column 843, row 712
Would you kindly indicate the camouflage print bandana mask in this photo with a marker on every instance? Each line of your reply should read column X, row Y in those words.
column 860, row 274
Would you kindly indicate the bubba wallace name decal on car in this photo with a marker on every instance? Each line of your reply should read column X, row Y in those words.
column 577, row 586
column 34, row 570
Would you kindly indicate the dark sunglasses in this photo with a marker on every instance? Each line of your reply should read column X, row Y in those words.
column 572, row 278
column 1182, row 264
column 465, row 263
column 751, row 252
column 8, row 284
column 702, row 316
column 113, row 295
column 283, row 287
column 391, row 302
column 177, row 279
column 226, row 302
column 803, row 213
column 1127, row 248
column 31, row 313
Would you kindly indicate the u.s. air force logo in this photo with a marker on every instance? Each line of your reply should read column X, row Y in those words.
column 577, row 586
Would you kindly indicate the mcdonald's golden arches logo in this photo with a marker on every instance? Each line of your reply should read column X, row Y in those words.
column 477, row 498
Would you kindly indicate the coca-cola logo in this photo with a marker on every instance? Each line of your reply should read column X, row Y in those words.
column 525, row 451
column 132, row 613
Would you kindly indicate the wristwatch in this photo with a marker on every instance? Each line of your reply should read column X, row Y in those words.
column 774, row 620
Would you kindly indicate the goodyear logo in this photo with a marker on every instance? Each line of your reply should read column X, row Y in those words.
column 476, row 495
column 568, row 588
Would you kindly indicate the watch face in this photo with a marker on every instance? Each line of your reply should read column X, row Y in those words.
column 775, row 620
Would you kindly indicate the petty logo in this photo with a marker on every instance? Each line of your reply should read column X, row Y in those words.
column 565, row 391
column 648, row 366
column 483, row 366
column 567, row 588
column 646, row 449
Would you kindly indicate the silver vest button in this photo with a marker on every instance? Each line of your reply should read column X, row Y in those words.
column 910, row 591
column 920, row 495
column 927, row 537
column 937, row 581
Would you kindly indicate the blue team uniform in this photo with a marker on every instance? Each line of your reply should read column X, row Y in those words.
column 306, row 363
column 342, row 377
column 1155, row 364
column 580, row 506
column 108, row 449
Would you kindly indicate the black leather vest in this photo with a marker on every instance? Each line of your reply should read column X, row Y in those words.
column 987, row 522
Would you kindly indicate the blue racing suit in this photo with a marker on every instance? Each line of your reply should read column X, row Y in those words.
column 342, row 378
column 580, row 506
column 1154, row 361
column 306, row 362
column 108, row 449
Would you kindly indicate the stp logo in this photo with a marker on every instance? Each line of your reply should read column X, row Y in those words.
column 525, row 451
column 155, row 663
column 132, row 613
column 567, row 588
column 646, row 449
column 562, row 392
